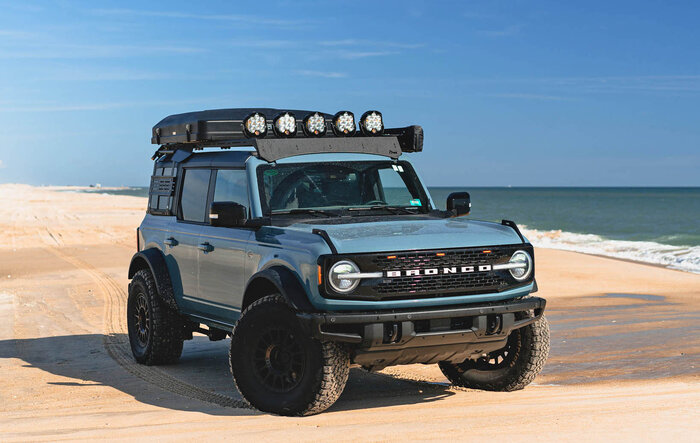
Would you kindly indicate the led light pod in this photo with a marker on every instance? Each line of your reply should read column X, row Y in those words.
column 344, row 123
column 255, row 125
column 285, row 125
column 315, row 125
column 371, row 123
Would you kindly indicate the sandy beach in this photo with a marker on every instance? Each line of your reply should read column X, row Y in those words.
column 624, row 364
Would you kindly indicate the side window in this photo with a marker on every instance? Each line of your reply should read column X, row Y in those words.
column 231, row 186
column 195, row 189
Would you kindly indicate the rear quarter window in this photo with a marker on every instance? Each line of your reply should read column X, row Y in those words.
column 193, row 199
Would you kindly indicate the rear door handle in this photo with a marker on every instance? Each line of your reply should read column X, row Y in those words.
column 205, row 247
column 170, row 242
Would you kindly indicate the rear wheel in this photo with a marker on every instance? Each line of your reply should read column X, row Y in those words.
column 278, row 368
column 508, row 369
column 155, row 331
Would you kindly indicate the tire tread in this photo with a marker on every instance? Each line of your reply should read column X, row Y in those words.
column 166, row 342
column 527, row 369
column 333, row 375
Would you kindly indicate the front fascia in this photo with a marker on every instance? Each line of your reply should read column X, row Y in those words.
column 298, row 260
column 299, row 252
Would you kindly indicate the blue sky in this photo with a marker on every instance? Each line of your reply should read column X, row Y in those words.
column 537, row 93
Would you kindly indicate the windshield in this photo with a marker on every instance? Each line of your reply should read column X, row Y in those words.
column 352, row 186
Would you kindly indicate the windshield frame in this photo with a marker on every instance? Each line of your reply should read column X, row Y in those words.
column 426, row 204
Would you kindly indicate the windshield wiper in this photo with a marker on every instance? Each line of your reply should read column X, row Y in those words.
column 392, row 209
column 318, row 212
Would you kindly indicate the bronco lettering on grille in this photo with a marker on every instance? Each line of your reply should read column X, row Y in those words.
column 437, row 271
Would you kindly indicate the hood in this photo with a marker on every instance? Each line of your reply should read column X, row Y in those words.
column 413, row 234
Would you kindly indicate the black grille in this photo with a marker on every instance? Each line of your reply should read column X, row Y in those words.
column 438, row 285
column 441, row 283
column 449, row 258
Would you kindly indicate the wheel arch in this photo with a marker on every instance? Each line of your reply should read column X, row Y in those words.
column 153, row 260
column 277, row 279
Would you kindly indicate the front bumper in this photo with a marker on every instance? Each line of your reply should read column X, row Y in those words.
column 425, row 335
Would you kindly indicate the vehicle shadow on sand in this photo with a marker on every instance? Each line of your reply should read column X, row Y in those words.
column 203, row 369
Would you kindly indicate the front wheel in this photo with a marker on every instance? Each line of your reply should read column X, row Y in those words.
column 508, row 369
column 278, row 368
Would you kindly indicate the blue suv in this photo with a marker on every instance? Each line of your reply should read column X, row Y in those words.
column 316, row 247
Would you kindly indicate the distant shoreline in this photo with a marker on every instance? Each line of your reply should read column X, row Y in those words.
column 677, row 257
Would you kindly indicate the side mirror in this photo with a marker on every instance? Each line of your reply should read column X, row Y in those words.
column 227, row 214
column 459, row 203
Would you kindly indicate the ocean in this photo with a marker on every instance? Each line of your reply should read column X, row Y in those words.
column 652, row 225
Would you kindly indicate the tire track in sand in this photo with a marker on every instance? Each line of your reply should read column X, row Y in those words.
column 116, row 342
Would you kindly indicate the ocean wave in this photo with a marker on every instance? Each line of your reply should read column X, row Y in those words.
column 683, row 258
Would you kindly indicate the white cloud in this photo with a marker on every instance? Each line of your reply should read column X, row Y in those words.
column 15, row 34
column 364, row 54
column 239, row 18
column 564, row 88
column 2, row 165
column 324, row 74
column 372, row 44
column 505, row 32
column 55, row 107
column 525, row 96
column 93, row 51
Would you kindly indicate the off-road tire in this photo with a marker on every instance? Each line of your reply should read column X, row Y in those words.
column 161, row 342
column 320, row 369
column 530, row 346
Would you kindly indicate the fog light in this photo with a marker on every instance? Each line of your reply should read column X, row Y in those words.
column 344, row 123
column 255, row 125
column 371, row 123
column 336, row 280
column 315, row 125
column 285, row 125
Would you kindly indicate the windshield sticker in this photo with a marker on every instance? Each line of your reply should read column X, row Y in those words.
column 416, row 202
column 271, row 172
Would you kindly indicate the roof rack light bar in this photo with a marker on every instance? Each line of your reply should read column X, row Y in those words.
column 225, row 128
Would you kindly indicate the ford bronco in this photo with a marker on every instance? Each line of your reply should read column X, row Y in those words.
column 315, row 246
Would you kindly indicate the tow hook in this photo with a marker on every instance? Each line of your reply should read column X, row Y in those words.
column 493, row 324
column 391, row 333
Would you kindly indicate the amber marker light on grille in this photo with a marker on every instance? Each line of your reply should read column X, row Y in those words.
column 488, row 251
column 440, row 254
column 391, row 257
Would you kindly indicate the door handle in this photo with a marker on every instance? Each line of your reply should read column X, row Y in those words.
column 205, row 247
column 170, row 242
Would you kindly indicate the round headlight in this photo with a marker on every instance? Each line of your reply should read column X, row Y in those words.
column 315, row 125
column 335, row 276
column 524, row 268
column 344, row 123
column 371, row 123
column 255, row 125
column 285, row 125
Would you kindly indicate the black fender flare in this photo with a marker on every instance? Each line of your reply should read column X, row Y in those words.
column 281, row 280
column 154, row 260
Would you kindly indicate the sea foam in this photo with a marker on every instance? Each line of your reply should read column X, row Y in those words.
column 684, row 258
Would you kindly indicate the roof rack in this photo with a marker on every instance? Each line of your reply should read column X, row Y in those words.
column 225, row 128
